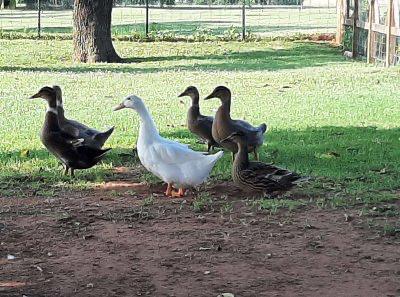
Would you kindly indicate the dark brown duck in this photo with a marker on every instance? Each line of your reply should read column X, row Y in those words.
column 69, row 149
column 92, row 137
column 224, row 125
column 257, row 176
column 197, row 123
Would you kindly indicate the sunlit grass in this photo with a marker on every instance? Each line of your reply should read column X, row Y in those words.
column 330, row 118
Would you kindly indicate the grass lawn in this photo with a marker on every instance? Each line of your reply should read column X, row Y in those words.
column 331, row 118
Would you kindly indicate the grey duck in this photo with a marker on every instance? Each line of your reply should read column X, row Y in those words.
column 224, row 125
column 197, row 123
column 69, row 149
column 92, row 137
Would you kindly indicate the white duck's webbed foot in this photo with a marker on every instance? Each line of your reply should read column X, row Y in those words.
column 180, row 193
column 168, row 192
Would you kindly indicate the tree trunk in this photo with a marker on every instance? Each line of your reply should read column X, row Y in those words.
column 92, row 31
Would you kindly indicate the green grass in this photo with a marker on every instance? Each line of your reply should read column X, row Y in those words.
column 328, row 117
column 178, row 22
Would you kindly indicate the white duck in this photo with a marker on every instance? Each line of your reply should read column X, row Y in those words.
column 173, row 162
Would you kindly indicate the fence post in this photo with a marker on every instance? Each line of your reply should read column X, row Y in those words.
column 355, row 30
column 39, row 27
column 371, row 35
column 146, row 30
column 389, row 21
column 340, row 21
column 244, row 20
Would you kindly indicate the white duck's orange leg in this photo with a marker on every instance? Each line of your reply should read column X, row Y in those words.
column 180, row 193
column 168, row 192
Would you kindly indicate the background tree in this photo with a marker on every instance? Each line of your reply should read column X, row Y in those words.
column 92, row 31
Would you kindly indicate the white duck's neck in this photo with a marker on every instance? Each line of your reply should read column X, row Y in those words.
column 148, row 130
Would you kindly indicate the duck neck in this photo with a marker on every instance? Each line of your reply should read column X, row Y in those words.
column 225, row 108
column 148, row 129
column 242, row 156
column 51, row 119
column 195, row 98
column 194, row 110
column 60, row 111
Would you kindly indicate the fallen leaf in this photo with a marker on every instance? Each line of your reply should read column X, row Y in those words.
column 204, row 248
column 38, row 268
column 328, row 155
column 25, row 153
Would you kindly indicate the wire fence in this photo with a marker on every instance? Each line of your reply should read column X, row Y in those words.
column 184, row 19
column 371, row 29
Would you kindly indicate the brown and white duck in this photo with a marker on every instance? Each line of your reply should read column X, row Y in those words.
column 197, row 123
column 224, row 125
column 72, row 151
column 92, row 137
column 257, row 176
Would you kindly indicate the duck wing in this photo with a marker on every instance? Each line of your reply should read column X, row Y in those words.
column 92, row 137
column 170, row 152
column 63, row 138
column 205, row 121
column 92, row 153
column 247, row 127
column 70, row 129
column 84, row 131
column 269, row 177
column 171, row 142
column 102, row 137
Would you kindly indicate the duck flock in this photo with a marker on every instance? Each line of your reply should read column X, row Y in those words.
column 79, row 147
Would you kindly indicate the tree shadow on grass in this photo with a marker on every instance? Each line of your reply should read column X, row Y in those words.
column 25, row 167
column 301, row 55
column 359, row 159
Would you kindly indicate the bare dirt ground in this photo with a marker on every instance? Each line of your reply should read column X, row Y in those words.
column 118, row 241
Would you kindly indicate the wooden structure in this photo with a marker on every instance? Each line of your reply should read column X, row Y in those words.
column 382, row 24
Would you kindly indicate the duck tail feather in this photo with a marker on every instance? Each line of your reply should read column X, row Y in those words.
column 102, row 152
column 215, row 157
column 263, row 127
column 302, row 180
column 103, row 136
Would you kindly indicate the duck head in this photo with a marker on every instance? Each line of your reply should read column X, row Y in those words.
column 221, row 92
column 237, row 137
column 192, row 92
column 132, row 101
column 47, row 93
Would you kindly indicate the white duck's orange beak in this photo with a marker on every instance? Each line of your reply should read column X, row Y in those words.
column 119, row 107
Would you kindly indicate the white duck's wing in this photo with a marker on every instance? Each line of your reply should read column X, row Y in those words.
column 170, row 152
column 175, row 143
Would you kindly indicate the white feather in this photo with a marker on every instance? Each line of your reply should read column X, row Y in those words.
column 171, row 161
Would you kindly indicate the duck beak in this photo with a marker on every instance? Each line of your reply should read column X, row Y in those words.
column 37, row 95
column 183, row 94
column 210, row 96
column 119, row 107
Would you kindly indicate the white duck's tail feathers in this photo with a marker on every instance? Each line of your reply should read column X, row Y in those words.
column 215, row 157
